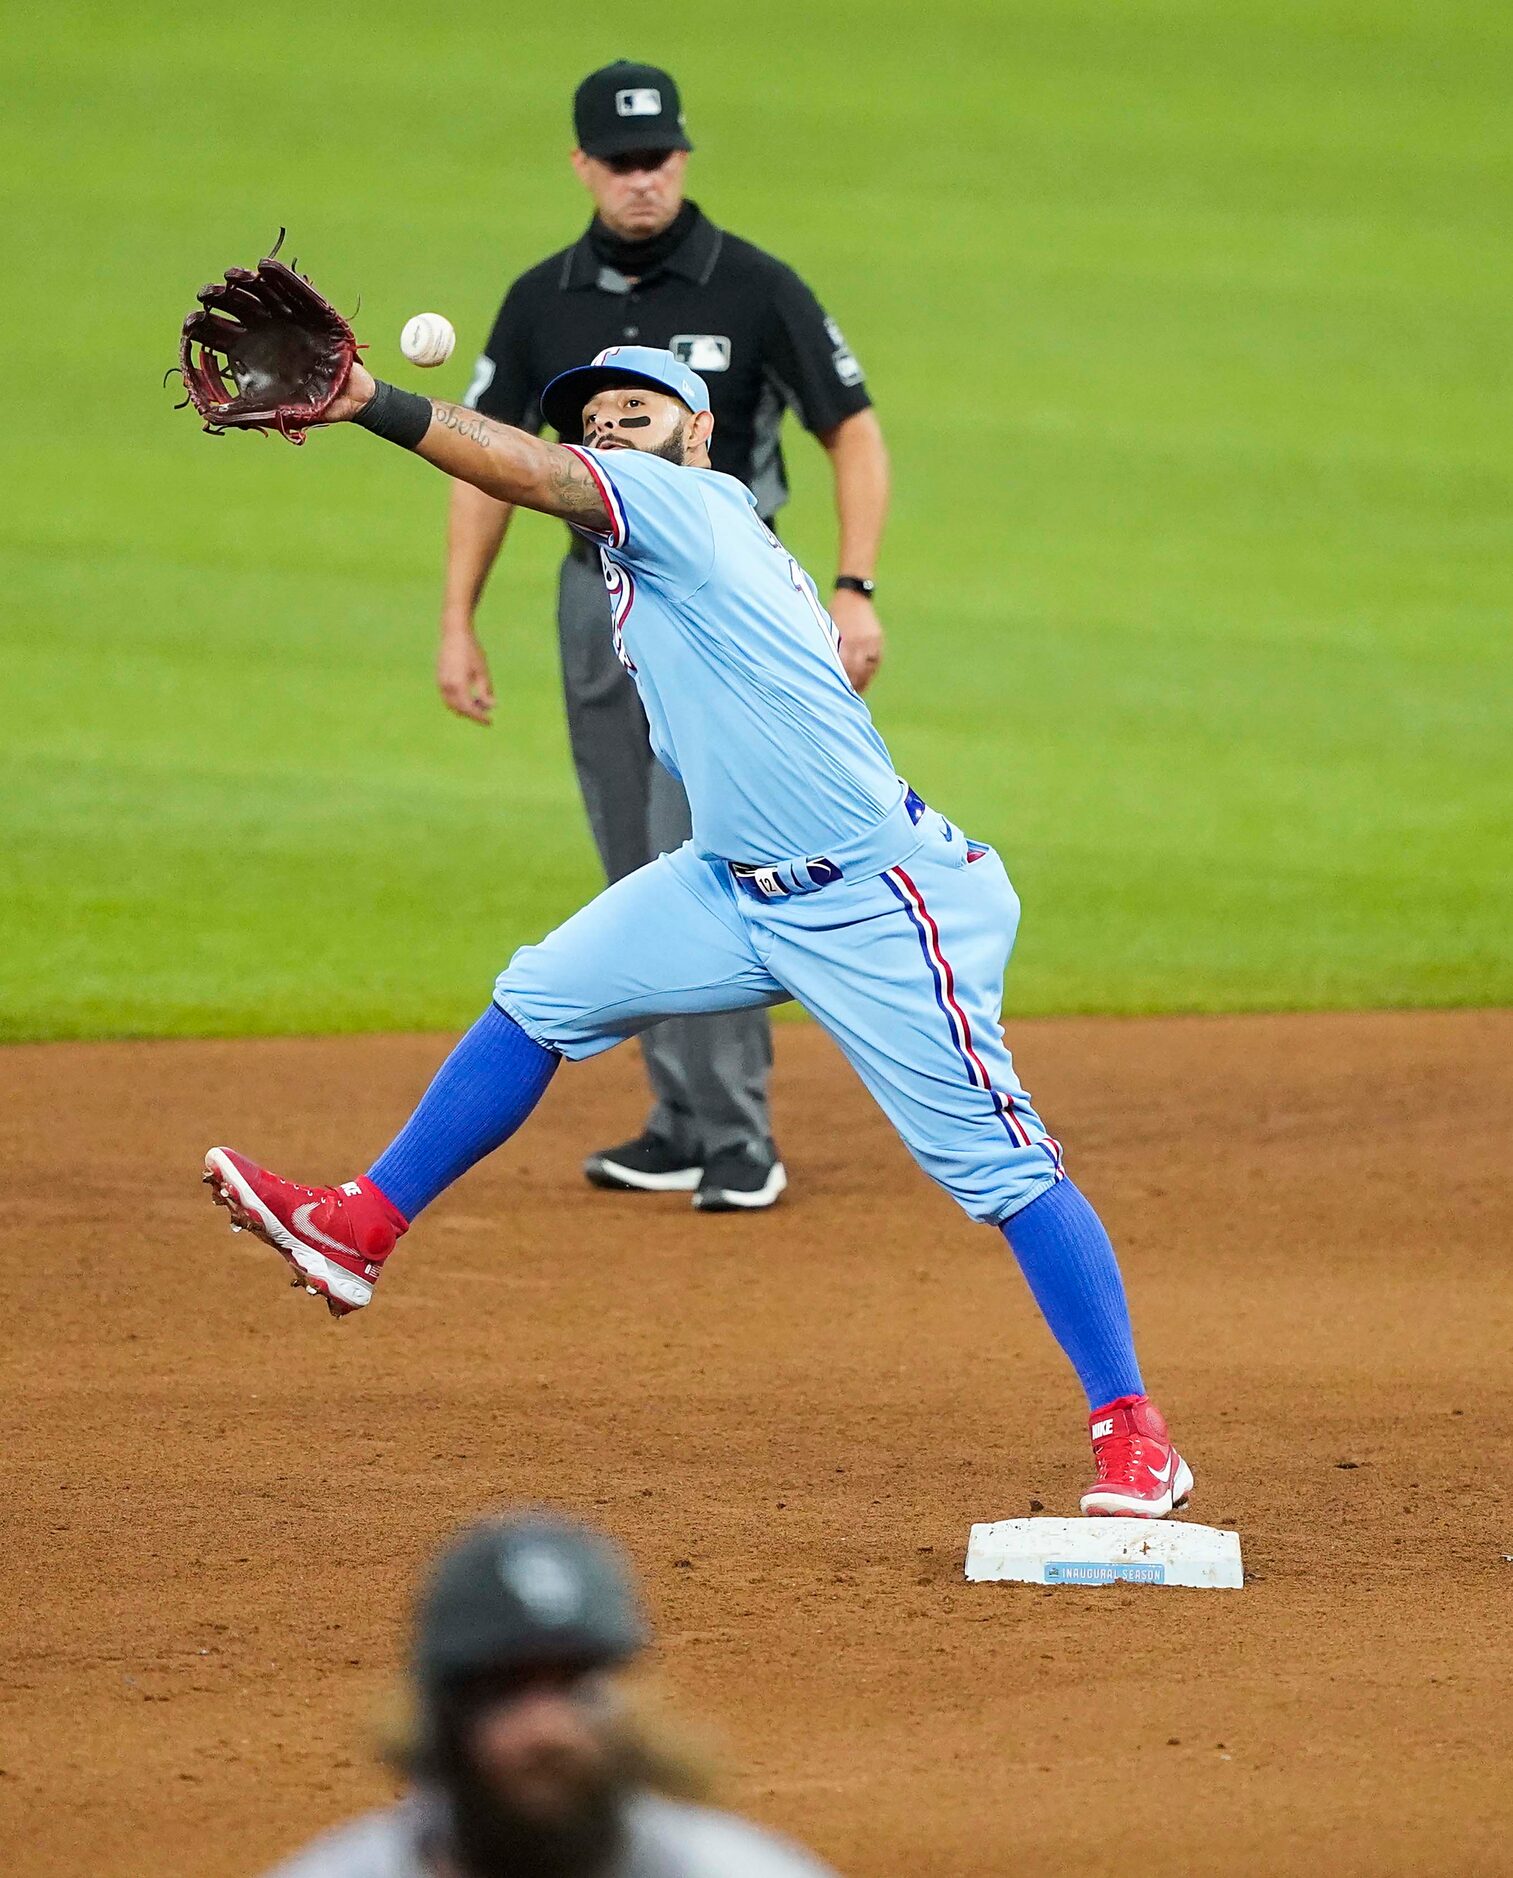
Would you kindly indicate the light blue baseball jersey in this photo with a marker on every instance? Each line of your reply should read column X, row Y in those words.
column 738, row 667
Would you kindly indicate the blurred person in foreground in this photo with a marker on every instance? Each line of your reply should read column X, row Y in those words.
column 527, row 1758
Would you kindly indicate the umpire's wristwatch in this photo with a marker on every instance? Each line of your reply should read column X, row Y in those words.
column 853, row 583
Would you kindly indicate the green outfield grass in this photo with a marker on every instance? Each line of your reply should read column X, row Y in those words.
column 1188, row 323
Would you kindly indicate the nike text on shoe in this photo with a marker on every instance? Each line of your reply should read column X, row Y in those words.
column 740, row 1181
column 646, row 1165
column 1140, row 1474
column 336, row 1238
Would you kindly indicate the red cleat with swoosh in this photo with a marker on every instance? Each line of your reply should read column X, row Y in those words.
column 336, row 1238
column 1140, row 1474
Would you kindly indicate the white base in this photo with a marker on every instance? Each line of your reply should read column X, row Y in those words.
column 1105, row 1552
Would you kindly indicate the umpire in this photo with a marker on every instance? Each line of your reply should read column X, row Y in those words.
column 652, row 269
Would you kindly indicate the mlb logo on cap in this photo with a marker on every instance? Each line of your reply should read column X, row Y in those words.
column 643, row 101
column 628, row 107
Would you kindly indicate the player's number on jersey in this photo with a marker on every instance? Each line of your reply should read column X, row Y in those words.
column 805, row 587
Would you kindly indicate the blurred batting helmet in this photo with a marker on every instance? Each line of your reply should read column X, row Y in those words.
column 527, row 1589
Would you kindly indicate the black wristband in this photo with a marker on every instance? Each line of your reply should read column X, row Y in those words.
column 403, row 417
column 854, row 583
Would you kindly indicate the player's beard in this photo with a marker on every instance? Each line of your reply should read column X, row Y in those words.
column 488, row 1839
column 485, row 1836
column 674, row 448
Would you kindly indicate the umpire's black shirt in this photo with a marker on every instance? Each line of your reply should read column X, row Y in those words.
column 742, row 320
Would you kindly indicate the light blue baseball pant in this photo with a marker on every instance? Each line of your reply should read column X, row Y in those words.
column 903, row 968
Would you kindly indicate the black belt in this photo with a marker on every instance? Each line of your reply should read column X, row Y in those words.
column 777, row 883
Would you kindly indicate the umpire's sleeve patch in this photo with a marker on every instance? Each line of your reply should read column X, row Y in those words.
column 847, row 369
column 483, row 377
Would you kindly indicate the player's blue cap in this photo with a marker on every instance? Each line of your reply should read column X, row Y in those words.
column 564, row 398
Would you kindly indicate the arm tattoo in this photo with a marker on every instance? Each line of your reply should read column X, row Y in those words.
column 558, row 485
column 466, row 423
column 575, row 494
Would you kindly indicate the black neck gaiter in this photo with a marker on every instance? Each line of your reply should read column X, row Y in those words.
column 637, row 259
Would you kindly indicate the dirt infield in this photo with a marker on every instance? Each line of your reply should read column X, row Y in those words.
column 216, row 1498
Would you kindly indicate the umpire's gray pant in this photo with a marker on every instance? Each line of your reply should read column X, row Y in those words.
column 709, row 1074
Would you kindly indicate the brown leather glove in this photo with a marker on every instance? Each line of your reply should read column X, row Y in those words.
column 286, row 348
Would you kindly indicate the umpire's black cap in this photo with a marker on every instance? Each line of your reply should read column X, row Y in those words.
column 626, row 106
column 528, row 1589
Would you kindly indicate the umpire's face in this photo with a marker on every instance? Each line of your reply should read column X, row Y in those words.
column 637, row 194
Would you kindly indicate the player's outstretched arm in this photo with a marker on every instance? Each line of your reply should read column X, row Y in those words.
column 512, row 465
column 506, row 463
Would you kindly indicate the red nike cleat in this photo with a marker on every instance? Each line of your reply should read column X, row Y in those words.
column 336, row 1238
column 1140, row 1474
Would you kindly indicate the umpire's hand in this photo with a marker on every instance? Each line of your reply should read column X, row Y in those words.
column 861, row 636
column 462, row 674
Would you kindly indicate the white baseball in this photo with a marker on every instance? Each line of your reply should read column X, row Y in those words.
column 428, row 339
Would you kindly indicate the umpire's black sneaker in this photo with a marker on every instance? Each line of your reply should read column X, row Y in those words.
column 740, row 1181
column 646, row 1165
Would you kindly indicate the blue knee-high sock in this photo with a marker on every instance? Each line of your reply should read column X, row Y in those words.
column 479, row 1097
column 1069, row 1265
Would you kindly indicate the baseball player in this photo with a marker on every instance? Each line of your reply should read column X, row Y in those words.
column 812, row 872
column 528, row 1760
column 651, row 268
